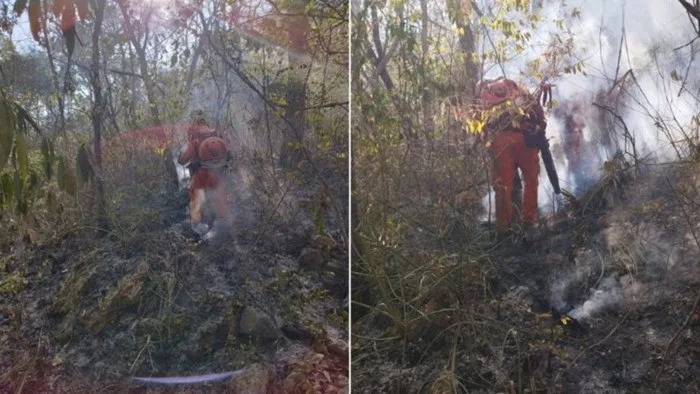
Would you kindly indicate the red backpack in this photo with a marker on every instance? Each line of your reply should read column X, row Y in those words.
column 507, row 106
column 212, row 151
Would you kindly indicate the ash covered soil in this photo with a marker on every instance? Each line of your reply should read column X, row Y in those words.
column 623, row 260
column 80, row 313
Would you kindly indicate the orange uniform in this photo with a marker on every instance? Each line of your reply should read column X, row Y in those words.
column 509, row 152
column 511, row 148
column 206, row 172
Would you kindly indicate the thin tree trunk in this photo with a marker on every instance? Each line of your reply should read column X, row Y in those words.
column 427, row 107
column 143, row 64
column 296, row 86
column 149, row 83
column 61, row 97
column 194, row 61
column 97, row 110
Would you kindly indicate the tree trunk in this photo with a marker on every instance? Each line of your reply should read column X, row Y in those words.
column 143, row 64
column 193, row 62
column 97, row 110
column 150, row 87
column 293, row 140
column 61, row 97
column 427, row 104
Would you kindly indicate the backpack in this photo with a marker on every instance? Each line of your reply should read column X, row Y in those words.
column 212, row 151
column 507, row 106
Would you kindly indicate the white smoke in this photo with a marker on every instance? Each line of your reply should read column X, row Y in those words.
column 607, row 295
column 652, row 29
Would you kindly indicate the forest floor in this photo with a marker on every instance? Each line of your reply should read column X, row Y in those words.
column 622, row 261
column 266, row 301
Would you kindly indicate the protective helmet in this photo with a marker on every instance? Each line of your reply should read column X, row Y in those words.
column 498, row 91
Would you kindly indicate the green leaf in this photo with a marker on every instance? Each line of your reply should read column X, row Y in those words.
column 83, row 164
column 23, row 115
column 7, row 132
column 675, row 76
column 46, row 157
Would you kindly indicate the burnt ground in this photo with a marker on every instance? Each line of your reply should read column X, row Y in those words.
column 623, row 259
column 80, row 313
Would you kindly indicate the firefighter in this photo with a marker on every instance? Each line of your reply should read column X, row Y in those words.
column 206, row 154
column 514, row 129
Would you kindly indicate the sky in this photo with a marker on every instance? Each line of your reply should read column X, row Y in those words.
column 22, row 36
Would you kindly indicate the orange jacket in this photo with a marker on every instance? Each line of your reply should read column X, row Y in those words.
column 196, row 134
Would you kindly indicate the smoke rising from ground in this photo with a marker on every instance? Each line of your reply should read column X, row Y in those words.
column 608, row 294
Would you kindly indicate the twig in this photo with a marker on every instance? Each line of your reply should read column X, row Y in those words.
column 628, row 134
column 622, row 41
column 148, row 342
column 687, row 44
column 690, row 9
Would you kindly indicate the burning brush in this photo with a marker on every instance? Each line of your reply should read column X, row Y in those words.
column 566, row 320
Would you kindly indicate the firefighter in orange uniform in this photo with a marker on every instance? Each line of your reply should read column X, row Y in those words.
column 514, row 117
column 206, row 154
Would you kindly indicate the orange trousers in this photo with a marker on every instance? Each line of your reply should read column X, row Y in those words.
column 509, row 152
column 206, row 179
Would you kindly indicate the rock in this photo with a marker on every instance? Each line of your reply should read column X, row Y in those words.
column 298, row 379
column 255, row 380
column 254, row 323
column 311, row 259
column 296, row 332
